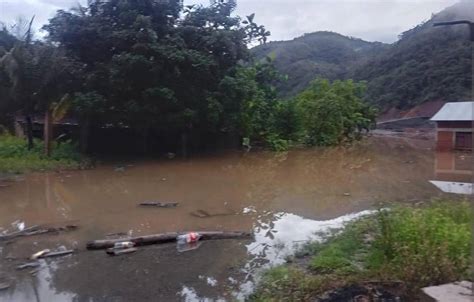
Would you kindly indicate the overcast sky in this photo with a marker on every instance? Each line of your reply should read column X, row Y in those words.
column 372, row 20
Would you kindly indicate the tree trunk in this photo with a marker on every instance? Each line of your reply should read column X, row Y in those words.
column 165, row 238
column 48, row 132
column 184, row 144
column 84, row 135
column 145, row 140
column 29, row 132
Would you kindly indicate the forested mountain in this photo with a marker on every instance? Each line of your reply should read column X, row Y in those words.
column 426, row 64
column 320, row 54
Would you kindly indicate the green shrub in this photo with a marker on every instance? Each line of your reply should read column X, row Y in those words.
column 16, row 158
column 423, row 246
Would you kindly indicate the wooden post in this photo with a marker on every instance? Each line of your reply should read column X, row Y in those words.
column 48, row 132
column 29, row 131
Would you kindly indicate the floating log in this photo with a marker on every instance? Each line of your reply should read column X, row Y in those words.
column 19, row 233
column 37, row 230
column 4, row 285
column 159, row 204
column 164, row 238
column 205, row 214
column 28, row 265
column 57, row 254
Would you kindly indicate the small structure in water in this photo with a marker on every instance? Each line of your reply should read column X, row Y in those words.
column 454, row 126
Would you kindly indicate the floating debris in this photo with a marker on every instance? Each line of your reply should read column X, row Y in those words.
column 46, row 253
column 205, row 214
column 165, row 238
column 28, row 265
column 39, row 254
column 159, row 204
column 117, row 252
column 36, row 230
column 4, row 285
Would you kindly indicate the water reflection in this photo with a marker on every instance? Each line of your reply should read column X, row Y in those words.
column 453, row 172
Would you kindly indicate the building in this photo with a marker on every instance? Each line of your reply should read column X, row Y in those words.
column 454, row 126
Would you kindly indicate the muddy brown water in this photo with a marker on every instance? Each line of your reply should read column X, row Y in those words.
column 282, row 198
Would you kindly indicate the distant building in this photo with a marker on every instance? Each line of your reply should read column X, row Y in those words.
column 454, row 126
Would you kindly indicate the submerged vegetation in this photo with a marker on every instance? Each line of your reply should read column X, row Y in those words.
column 16, row 158
column 410, row 246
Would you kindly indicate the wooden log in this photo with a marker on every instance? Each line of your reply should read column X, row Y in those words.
column 56, row 254
column 159, row 204
column 164, row 238
column 37, row 230
column 205, row 214
column 19, row 233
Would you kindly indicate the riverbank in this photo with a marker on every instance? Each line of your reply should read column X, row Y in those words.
column 16, row 158
column 391, row 253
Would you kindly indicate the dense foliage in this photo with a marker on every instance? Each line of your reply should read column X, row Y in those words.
column 408, row 246
column 158, row 66
column 426, row 64
column 164, row 70
column 332, row 112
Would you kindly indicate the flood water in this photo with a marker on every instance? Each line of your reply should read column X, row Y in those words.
column 283, row 199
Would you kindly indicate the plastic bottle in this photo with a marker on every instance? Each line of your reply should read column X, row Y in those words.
column 188, row 238
column 123, row 245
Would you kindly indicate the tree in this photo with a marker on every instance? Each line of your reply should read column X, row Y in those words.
column 156, row 66
column 333, row 112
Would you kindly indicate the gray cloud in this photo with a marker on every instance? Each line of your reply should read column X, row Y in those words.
column 373, row 20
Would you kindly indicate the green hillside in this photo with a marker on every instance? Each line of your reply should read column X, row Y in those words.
column 326, row 54
column 427, row 63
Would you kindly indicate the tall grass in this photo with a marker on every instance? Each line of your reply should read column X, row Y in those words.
column 416, row 246
column 422, row 246
column 16, row 158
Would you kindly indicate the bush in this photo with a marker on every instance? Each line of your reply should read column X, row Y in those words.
column 332, row 112
column 16, row 158
column 423, row 246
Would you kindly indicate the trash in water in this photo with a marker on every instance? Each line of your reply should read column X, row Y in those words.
column 186, row 247
column 188, row 238
column 39, row 254
column 248, row 210
column 18, row 225
column 123, row 245
column 116, row 252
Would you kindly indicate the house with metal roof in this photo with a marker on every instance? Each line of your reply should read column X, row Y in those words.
column 454, row 126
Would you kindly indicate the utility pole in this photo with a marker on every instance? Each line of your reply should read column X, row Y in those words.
column 471, row 38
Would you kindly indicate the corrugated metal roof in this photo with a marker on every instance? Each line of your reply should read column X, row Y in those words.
column 456, row 111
